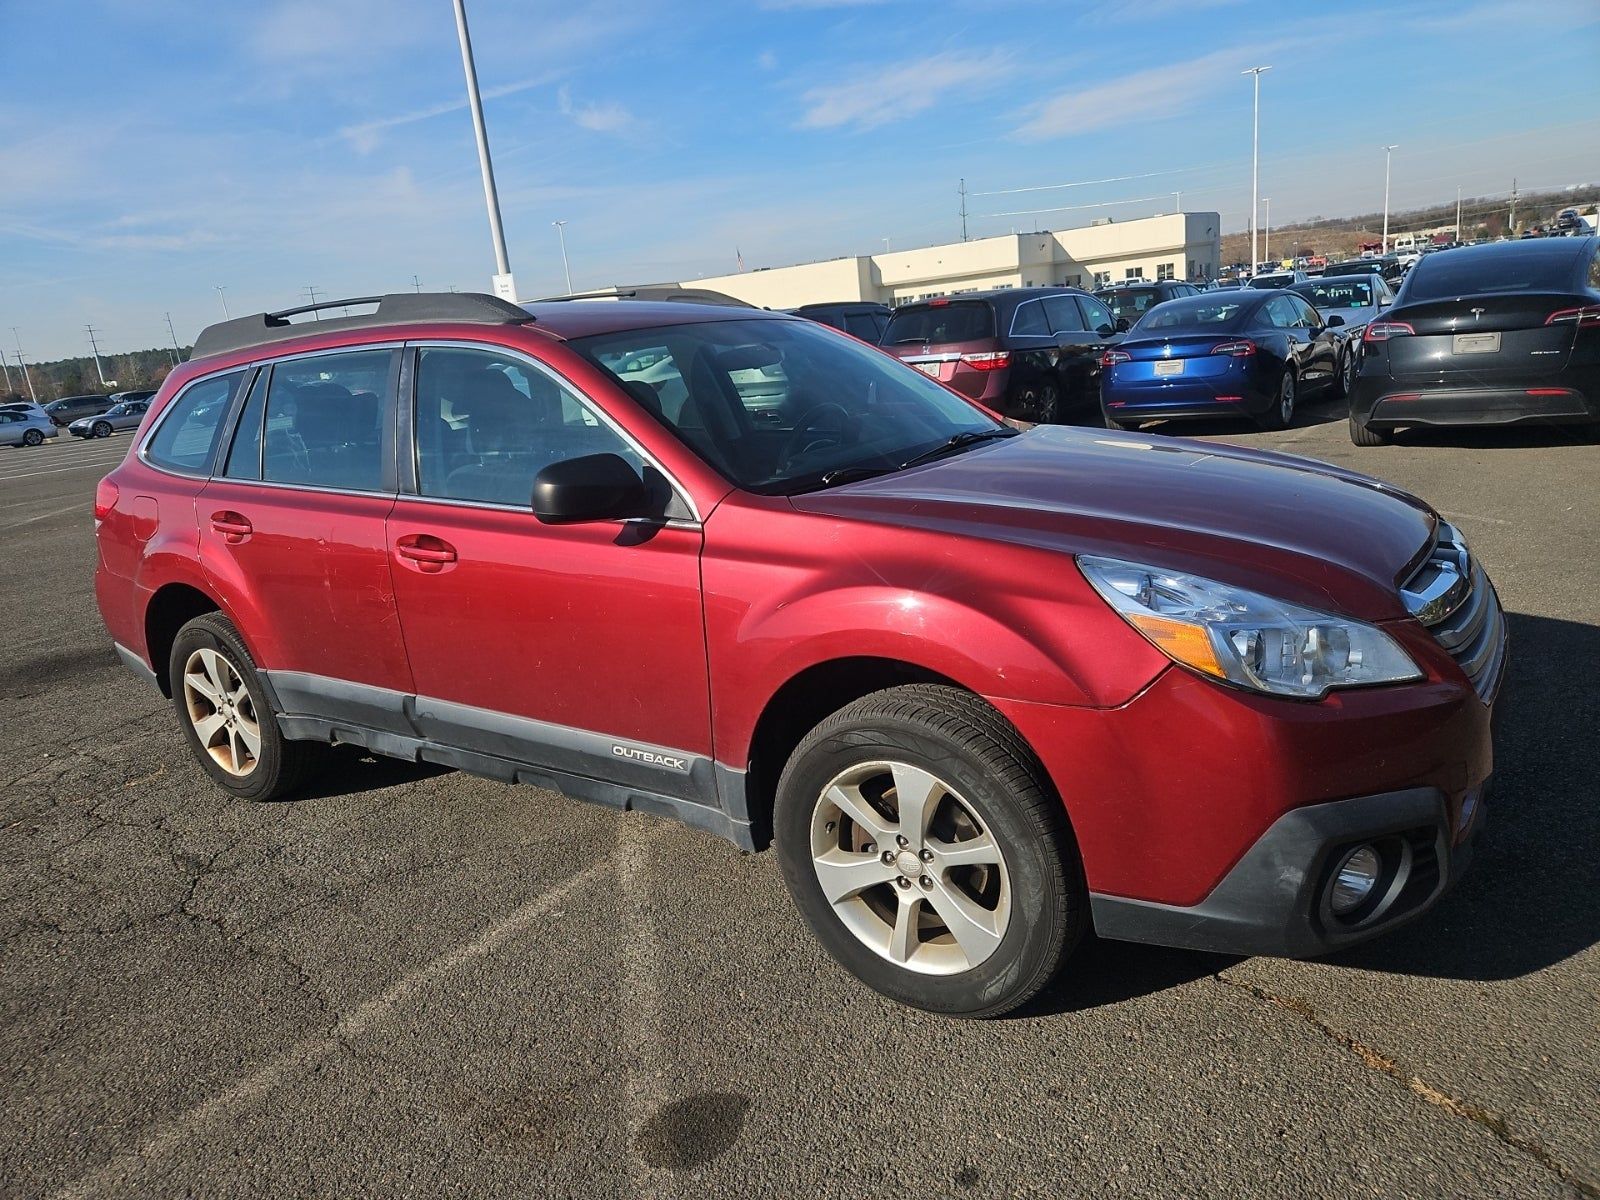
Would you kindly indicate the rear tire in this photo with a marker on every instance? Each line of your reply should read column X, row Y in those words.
column 1346, row 382
column 1113, row 423
column 33, row 437
column 976, row 910
column 1364, row 435
column 226, row 719
column 1281, row 414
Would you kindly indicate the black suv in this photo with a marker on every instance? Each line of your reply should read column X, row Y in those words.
column 69, row 408
column 1130, row 300
column 859, row 318
column 1028, row 353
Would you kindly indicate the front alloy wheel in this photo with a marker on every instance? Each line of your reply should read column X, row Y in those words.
column 101, row 429
column 909, row 868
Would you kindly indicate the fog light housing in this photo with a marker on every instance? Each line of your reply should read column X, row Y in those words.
column 1354, row 880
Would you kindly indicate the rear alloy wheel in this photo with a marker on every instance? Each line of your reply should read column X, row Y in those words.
column 33, row 437
column 1347, row 373
column 223, row 708
column 921, row 841
column 1041, row 404
column 1281, row 414
column 1365, row 435
column 100, row 429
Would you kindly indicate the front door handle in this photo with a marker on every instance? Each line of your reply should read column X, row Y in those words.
column 234, row 527
column 425, row 552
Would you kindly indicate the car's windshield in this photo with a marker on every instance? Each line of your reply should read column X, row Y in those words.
column 1278, row 279
column 1131, row 303
column 1353, row 292
column 1201, row 312
column 782, row 406
column 941, row 321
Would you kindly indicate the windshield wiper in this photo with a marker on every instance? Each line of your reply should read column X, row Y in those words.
column 959, row 441
column 851, row 474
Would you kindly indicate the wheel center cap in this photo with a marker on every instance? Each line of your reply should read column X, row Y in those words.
column 908, row 864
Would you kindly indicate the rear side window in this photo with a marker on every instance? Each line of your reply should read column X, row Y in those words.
column 186, row 439
column 1063, row 314
column 324, row 420
column 1029, row 320
column 1443, row 276
column 866, row 326
column 960, row 321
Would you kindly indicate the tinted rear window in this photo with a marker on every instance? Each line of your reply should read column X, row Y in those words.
column 966, row 321
column 1352, row 292
column 1441, row 276
column 1219, row 313
column 1132, row 303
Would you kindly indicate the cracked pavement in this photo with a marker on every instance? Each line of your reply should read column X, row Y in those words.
column 413, row 982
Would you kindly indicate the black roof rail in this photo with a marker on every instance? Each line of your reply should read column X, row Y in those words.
column 684, row 295
column 263, row 329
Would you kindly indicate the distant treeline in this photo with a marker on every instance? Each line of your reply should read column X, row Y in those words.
column 76, row 376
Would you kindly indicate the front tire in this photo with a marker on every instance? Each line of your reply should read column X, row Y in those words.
column 1347, row 374
column 100, row 429
column 923, row 844
column 230, row 727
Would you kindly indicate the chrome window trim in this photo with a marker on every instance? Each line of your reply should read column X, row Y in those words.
column 578, row 393
column 526, row 510
column 142, row 452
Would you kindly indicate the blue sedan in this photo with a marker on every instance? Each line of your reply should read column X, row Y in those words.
column 1245, row 353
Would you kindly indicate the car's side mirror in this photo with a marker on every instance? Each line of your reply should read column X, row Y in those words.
column 1122, row 325
column 1335, row 320
column 1106, row 330
column 595, row 487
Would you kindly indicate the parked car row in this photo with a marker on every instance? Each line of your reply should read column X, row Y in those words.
column 29, row 424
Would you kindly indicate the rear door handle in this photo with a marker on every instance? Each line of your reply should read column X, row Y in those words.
column 425, row 552
column 234, row 527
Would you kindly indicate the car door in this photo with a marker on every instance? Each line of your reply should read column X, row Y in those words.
column 1320, row 367
column 1076, row 323
column 578, row 648
column 294, row 521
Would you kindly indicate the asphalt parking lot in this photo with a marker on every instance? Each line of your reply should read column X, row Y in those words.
column 416, row 982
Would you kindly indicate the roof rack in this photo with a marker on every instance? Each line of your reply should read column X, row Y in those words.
column 685, row 295
column 263, row 329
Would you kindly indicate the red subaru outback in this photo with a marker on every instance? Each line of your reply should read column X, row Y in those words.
column 984, row 689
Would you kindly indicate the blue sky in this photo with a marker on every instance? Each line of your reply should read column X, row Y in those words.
column 154, row 149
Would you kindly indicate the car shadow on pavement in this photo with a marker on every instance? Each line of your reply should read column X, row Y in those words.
column 1102, row 972
column 1528, row 901
column 1495, row 437
column 351, row 770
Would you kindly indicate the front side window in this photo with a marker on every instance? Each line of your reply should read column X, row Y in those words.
column 1096, row 314
column 324, row 420
column 486, row 423
column 186, row 439
column 850, row 411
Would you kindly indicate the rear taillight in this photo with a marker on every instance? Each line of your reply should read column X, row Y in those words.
column 1112, row 357
column 105, row 499
column 1240, row 349
column 1382, row 331
column 1586, row 317
column 992, row 361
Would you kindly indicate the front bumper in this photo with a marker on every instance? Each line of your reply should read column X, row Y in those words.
column 1274, row 900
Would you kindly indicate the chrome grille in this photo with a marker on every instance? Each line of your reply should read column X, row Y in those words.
column 1452, row 596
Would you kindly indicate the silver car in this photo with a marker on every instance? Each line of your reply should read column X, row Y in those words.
column 25, row 428
column 126, row 415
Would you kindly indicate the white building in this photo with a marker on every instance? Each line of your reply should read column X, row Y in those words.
column 1176, row 246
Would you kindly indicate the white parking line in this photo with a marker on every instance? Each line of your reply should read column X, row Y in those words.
column 103, row 464
column 54, row 512
column 113, row 1177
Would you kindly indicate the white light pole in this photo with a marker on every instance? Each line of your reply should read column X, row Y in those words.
column 504, row 286
column 23, row 364
column 561, row 232
column 221, row 296
column 1266, row 227
column 1255, row 161
column 886, row 245
column 177, row 352
column 1458, row 214
column 1388, row 154
column 1177, row 199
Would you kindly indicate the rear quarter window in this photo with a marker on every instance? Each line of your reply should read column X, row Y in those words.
column 186, row 439
column 966, row 321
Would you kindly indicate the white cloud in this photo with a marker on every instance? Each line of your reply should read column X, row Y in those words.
column 788, row 5
column 1142, row 96
column 767, row 60
column 364, row 135
column 598, row 118
column 884, row 95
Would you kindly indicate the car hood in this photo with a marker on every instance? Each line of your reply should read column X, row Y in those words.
column 1298, row 529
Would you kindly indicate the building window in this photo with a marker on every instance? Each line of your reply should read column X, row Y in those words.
column 1167, row 271
column 1101, row 278
column 1133, row 273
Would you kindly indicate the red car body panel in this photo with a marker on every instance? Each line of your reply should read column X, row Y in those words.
column 682, row 636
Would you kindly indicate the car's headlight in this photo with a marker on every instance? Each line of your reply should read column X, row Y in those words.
column 1247, row 638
